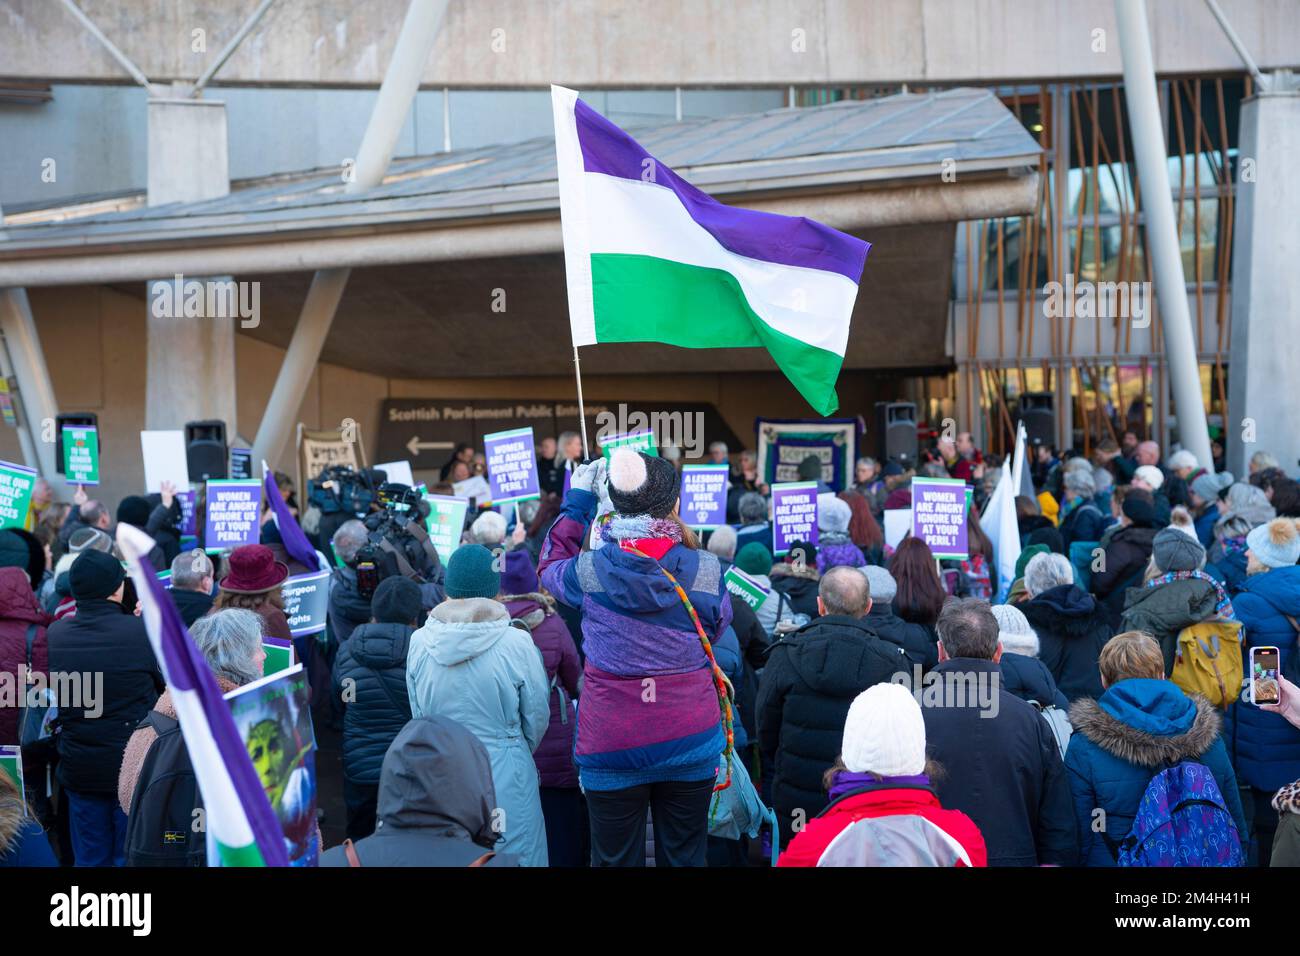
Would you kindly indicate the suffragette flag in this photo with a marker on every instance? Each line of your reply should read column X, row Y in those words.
column 650, row 258
column 238, row 814
column 295, row 541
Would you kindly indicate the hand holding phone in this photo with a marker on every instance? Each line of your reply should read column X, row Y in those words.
column 1264, row 686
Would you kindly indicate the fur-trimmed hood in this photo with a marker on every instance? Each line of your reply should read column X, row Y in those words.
column 1066, row 611
column 1287, row 800
column 808, row 572
column 543, row 607
column 1150, row 723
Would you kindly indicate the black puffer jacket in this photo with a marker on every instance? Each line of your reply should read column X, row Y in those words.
column 798, row 588
column 102, row 639
column 1072, row 629
column 373, row 659
column 804, row 695
column 916, row 640
column 1127, row 553
column 1029, row 679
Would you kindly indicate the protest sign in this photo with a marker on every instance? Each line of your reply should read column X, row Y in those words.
column 81, row 454
column 398, row 472
column 164, row 459
column 475, row 488
column 306, row 601
column 446, row 523
column 898, row 521
column 794, row 515
column 241, row 463
column 279, row 655
column 939, row 515
column 637, row 441
column 274, row 722
column 7, row 403
column 187, row 500
column 512, row 466
column 704, row 495
column 231, row 513
column 16, row 483
column 742, row 586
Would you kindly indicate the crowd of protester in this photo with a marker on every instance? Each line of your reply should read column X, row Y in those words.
column 576, row 685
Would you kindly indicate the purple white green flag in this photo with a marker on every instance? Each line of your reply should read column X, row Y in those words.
column 239, row 820
column 650, row 258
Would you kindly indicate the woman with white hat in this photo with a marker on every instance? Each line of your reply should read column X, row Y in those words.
column 883, row 811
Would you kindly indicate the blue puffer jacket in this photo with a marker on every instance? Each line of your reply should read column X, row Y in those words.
column 374, row 660
column 1120, row 741
column 1265, row 748
column 1227, row 565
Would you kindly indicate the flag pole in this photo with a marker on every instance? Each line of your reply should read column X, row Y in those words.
column 582, row 413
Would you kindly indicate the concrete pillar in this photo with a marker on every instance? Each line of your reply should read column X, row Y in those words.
column 191, row 358
column 35, row 391
column 1265, row 356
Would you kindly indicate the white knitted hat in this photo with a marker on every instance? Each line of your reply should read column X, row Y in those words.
column 1014, row 630
column 884, row 733
column 1152, row 475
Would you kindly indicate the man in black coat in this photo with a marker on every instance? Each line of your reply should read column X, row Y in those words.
column 191, row 581
column 811, row 678
column 1000, row 764
column 914, row 639
column 1072, row 626
column 104, row 652
column 370, row 680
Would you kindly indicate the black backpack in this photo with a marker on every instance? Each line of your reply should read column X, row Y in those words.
column 161, row 827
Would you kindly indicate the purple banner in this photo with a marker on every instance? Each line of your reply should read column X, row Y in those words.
column 231, row 514
column 512, row 466
column 939, row 515
column 704, row 495
column 794, row 515
column 186, row 498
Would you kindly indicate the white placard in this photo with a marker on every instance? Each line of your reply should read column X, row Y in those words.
column 898, row 522
column 164, row 460
column 398, row 472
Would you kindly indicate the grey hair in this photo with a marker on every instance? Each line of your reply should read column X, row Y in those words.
column 968, row 628
column 349, row 539
column 1047, row 571
column 488, row 529
column 1264, row 459
column 715, row 445
column 752, row 508
column 868, row 460
column 1080, row 480
column 190, row 568
column 845, row 590
column 723, row 542
column 229, row 640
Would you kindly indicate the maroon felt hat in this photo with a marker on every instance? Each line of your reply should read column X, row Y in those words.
column 253, row 569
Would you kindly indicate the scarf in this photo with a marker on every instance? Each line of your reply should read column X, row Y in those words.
column 639, row 527
column 1223, row 607
column 847, row 781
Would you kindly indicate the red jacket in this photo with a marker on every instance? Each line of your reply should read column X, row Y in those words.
column 809, row 846
column 19, row 609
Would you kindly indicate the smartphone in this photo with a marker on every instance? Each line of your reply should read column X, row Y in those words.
column 1264, row 688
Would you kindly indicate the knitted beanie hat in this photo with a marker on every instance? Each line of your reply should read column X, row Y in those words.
column 754, row 558
column 95, row 574
column 397, row 601
column 1208, row 485
column 134, row 510
column 1152, row 475
column 884, row 733
column 810, row 469
column 1140, row 508
column 641, row 484
column 1175, row 551
column 881, row 583
column 470, row 573
column 1276, row 544
column 1014, row 631
column 833, row 514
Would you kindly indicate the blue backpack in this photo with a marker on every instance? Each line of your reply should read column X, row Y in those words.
column 1182, row 821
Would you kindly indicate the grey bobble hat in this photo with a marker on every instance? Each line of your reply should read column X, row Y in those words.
column 1175, row 550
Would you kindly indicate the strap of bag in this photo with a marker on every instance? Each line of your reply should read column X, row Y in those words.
column 482, row 861
column 31, row 642
column 350, row 851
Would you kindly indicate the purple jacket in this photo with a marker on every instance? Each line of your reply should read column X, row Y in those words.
column 649, row 710
column 554, row 755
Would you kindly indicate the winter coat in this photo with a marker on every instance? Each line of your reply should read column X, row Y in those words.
column 762, row 533
column 1072, row 629
column 1204, row 524
column 799, row 589
column 871, row 803
column 554, row 755
column 374, row 660
column 1137, row 728
column 437, row 803
column 19, row 612
column 1226, row 563
column 726, row 651
column 649, row 710
column 1004, row 771
column 916, row 640
column 754, row 644
column 164, row 527
column 1029, row 679
column 192, row 604
column 1163, row 610
column 1286, row 842
column 1126, row 556
column 102, row 639
column 469, row 664
column 811, row 678
column 348, row 610
column 1265, row 748
column 1085, row 522
column 836, row 550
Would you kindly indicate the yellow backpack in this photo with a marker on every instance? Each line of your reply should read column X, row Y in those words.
column 1208, row 661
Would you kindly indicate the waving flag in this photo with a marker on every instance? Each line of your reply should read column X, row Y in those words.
column 240, row 821
column 291, row 533
column 999, row 518
column 650, row 258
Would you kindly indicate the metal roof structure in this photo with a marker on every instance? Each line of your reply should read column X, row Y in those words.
column 851, row 144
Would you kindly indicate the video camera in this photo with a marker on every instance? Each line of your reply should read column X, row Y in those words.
column 397, row 542
column 342, row 490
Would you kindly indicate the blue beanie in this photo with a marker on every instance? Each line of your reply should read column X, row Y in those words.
column 470, row 573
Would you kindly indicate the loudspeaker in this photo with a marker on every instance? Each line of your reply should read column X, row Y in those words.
column 205, row 450
column 1037, row 411
column 89, row 419
column 896, row 432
